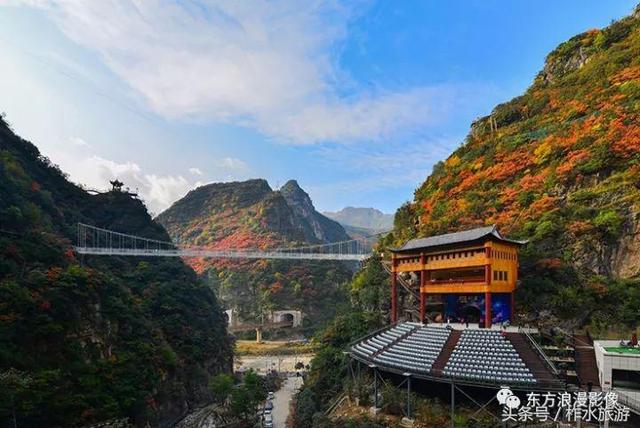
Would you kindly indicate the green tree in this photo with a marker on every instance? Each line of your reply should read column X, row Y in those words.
column 246, row 397
column 221, row 387
column 14, row 385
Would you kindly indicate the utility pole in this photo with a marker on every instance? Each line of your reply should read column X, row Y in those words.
column 453, row 404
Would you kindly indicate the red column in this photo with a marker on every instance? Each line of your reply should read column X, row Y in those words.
column 423, row 296
column 487, row 310
column 394, row 298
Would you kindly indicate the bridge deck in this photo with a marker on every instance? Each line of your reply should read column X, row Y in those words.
column 218, row 254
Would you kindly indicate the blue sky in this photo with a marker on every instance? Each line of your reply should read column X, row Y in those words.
column 355, row 100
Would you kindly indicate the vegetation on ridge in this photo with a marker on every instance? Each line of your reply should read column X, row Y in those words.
column 250, row 214
column 92, row 338
column 559, row 165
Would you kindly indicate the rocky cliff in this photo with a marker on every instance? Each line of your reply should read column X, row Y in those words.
column 323, row 229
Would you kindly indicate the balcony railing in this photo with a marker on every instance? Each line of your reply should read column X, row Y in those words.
column 465, row 280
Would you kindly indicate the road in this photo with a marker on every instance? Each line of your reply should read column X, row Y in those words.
column 282, row 398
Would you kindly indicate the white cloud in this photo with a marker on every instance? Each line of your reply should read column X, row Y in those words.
column 271, row 65
column 157, row 191
column 79, row 142
column 195, row 171
column 392, row 166
column 232, row 168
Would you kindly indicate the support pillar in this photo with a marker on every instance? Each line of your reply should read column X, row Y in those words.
column 512, row 314
column 423, row 296
column 453, row 405
column 409, row 396
column 394, row 292
column 487, row 310
column 394, row 298
column 258, row 335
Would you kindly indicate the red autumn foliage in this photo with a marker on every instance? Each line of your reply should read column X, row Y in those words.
column 69, row 255
column 54, row 273
column 573, row 159
column 629, row 73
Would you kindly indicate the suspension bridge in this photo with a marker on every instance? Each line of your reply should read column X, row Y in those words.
column 103, row 242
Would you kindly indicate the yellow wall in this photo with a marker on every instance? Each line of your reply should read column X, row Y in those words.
column 503, row 260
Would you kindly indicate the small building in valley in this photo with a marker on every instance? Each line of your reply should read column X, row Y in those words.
column 619, row 371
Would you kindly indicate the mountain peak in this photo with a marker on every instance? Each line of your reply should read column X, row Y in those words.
column 323, row 228
column 291, row 184
column 248, row 214
column 294, row 194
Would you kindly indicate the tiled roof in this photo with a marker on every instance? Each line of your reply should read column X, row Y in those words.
column 455, row 238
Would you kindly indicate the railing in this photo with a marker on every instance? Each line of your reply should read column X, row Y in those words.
column 539, row 351
column 403, row 282
column 456, row 280
column 98, row 241
column 337, row 403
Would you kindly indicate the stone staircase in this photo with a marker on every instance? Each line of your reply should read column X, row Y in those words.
column 534, row 362
column 586, row 366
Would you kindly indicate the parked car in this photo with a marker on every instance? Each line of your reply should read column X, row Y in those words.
column 267, row 421
column 270, row 395
column 268, row 406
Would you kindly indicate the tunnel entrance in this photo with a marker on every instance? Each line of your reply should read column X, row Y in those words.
column 288, row 318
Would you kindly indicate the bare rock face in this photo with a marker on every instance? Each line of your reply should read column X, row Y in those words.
column 321, row 228
column 555, row 67
column 625, row 261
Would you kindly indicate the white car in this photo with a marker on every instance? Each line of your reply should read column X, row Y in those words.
column 267, row 421
column 270, row 395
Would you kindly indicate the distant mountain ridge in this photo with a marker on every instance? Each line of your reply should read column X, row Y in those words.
column 366, row 218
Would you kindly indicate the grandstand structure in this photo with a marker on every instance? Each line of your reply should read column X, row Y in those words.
column 467, row 356
column 475, row 272
column 471, row 348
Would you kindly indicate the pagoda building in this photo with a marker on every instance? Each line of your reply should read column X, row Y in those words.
column 475, row 273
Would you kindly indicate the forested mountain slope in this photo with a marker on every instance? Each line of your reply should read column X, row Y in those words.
column 88, row 339
column 559, row 165
column 249, row 214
